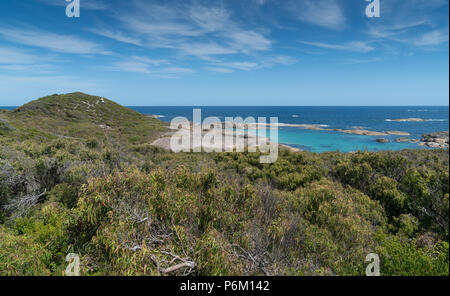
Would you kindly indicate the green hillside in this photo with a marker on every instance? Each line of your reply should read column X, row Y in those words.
column 83, row 116
column 78, row 175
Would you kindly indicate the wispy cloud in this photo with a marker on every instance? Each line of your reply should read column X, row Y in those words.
column 210, row 19
column 86, row 4
column 323, row 13
column 132, row 66
column 51, row 41
column 394, row 29
column 189, row 29
column 13, row 59
column 116, row 35
column 259, row 2
column 248, row 41
column 205, row 50
column 411, row 22
column 220, row 70
column 57, row 82
column 432, row 38
column 245, row 66
column 278, row 60
column 262, row 62
column 356, row 46
column 360, row 61
column 10, row 55
column 153, row 67
column 404, row 34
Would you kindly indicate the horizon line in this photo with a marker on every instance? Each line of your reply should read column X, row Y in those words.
column 194, row 106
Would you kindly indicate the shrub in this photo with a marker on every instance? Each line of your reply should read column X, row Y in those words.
column 21, row 256
column 403, row 258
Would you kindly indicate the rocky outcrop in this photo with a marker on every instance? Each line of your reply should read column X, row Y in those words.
column 397, row 133
column 406, row 140
column 362, row 132
column 435, row 140
column 383, row 140
column 402, row 140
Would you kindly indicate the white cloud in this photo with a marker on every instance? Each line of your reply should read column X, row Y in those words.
column 403, row 33
column 245, row 66
column 176, row 70
column 278, row 60
column 259, row 2
column 324, row 13
column 44, row 68
column 412, row 22
column 149, row 61
column 262, row 62
column 359, row 61
column 132, row 66
column 220, row 70
column 118, row 36
column 248, row 40
column 189, row 29
column 432, row 38
column 210, row 19
column 425, row 4
column 85, row 4
column 138, row 64
column 394, row 29
column 51, row 41
column 205, row 50
column 47, row 83
column 14, row 56
column 154, row 67
column 14, row 59
column 356, row 46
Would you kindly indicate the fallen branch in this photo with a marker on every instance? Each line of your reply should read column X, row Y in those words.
column 187, row 264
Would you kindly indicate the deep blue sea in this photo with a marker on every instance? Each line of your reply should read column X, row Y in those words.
column 368, row 118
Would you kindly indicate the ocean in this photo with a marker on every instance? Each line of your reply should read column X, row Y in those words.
column 366, row 118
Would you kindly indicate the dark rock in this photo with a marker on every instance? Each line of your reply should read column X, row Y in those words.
column 383, row 140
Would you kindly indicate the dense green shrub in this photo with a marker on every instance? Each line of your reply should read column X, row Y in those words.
column 21, row 256
column 95, row 186
column 404, row 258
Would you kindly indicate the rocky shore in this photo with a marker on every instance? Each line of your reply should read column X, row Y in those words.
column 248, row 140
column 435, row 140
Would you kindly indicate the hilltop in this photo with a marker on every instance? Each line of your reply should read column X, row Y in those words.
column 80, row 115
column 78, row 107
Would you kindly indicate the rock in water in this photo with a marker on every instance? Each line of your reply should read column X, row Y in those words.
column 436, row 140
column 402, row 140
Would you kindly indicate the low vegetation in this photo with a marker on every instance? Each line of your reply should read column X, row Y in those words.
column 78, row 175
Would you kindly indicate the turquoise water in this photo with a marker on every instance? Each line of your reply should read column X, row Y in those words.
column 367, row 118
column 322, row 141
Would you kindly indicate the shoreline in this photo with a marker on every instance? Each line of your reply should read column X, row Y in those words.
column 437, row 140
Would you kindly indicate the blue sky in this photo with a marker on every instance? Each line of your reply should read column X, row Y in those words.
column 234, row 52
